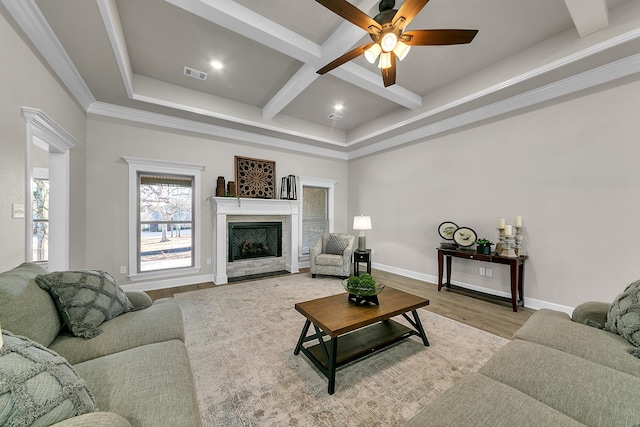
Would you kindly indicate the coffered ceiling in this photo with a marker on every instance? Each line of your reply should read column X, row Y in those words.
column 126, row 59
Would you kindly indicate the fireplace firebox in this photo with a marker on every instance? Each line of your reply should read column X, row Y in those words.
column 254, row 240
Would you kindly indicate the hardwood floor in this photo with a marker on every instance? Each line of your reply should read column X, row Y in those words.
column 487, row 314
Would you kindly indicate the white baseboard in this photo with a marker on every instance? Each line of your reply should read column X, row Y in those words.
column 528, row 302
column 168, row 283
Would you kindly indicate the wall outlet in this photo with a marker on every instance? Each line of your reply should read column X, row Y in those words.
column 123, row 269
column 208, row 261
column 489, row 272
column 481, row 271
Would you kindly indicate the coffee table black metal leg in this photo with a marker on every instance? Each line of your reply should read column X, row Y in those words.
column 305, row 329
column 332, row 365
column 417, row 326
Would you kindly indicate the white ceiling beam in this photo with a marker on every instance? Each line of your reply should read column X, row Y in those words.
column 368, row 80
column 294, row 87
column 111, row 19
column 246, row 22
column 588, row 16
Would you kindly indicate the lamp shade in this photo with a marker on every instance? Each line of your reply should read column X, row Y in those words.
column 372, row 53
column 362, row 222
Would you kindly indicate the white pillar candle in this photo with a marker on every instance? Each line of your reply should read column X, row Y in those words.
column 501, row 223
column 507, row 230
column 517, row 221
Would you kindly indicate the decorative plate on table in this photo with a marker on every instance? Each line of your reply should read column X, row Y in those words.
column 446, row 229
column 464, row 236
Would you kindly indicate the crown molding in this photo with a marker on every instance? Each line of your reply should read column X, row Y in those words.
column 585, row 80
column 139, row 116
column 37, row 29
column 536, row 72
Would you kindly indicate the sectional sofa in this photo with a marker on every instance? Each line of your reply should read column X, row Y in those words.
column 135, row 372
column 557, row 371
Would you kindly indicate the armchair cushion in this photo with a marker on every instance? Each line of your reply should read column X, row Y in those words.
column 336, row 244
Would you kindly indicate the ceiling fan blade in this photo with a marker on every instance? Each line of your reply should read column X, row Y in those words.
column 389, row 74
column 344, row 58
column 407, row 12
column 351, row 14
column 438, row 37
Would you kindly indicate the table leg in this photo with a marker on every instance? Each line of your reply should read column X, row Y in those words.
column 332, row 365
column 521, row 283
column 305, row 329
column 514, row 285
column 449, row 261
column 417, row 326
column 440, row 266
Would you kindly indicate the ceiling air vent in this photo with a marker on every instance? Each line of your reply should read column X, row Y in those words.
column 200, row 75
column 334, row 116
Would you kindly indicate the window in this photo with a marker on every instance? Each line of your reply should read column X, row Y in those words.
column 317, row 211
column 40, row 219
column 315, row 219
column 164, row 218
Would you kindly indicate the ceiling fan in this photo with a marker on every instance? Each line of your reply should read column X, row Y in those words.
column 387, row 32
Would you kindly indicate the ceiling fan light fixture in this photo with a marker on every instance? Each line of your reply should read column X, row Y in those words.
column 389, row 41
column 401, row 50
column 385, row 60
column 372, row 53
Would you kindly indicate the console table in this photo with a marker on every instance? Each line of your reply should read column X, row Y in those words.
column 516, row 265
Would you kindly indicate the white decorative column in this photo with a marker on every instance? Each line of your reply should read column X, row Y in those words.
column 221, row 207
column 220, row 248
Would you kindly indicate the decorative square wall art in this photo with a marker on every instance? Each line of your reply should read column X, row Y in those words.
column 255, row 178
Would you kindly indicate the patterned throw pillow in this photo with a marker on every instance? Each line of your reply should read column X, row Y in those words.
column 37, row 386
column 623, row 317
column 336, row 245
column 85, row 299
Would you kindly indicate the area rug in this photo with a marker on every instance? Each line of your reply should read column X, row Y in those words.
column 241, row 339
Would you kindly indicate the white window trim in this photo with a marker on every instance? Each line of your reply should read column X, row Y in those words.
column 47, row 134
column 329, row 184
column 136, row 165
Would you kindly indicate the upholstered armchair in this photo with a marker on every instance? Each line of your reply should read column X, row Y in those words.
column 331, row 255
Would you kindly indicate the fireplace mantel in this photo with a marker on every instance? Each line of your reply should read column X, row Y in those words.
column 221, row 207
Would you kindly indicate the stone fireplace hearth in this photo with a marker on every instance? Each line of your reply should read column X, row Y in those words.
column 226, row 210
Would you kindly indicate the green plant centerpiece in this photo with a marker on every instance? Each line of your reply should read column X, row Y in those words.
column 483, row 246
column 363, row 288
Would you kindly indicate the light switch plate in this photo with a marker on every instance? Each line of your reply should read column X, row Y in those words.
column 17, row 210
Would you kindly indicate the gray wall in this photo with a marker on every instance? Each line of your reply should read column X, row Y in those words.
column 107, row 196
column 27, row 83
column 570, row 169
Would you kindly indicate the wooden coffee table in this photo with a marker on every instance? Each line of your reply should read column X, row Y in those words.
column 362, row 330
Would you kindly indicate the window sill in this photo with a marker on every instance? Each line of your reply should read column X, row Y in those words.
column 164, row 273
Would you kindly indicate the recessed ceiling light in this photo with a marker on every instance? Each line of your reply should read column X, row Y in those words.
column 216, row 64
column 338, row 107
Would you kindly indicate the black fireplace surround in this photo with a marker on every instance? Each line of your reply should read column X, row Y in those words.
column 254, row 240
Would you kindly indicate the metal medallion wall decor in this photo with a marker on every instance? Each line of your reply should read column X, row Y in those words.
column 255, row 178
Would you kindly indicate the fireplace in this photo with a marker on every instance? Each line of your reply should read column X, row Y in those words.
column 231, row 209
column 254, row 240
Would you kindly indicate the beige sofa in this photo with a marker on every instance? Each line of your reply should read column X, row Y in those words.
column 557, row 371
column 137, row 369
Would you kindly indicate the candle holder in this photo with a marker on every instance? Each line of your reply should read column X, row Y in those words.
column 519, row 249
column 508, row 247
column 500, row 245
